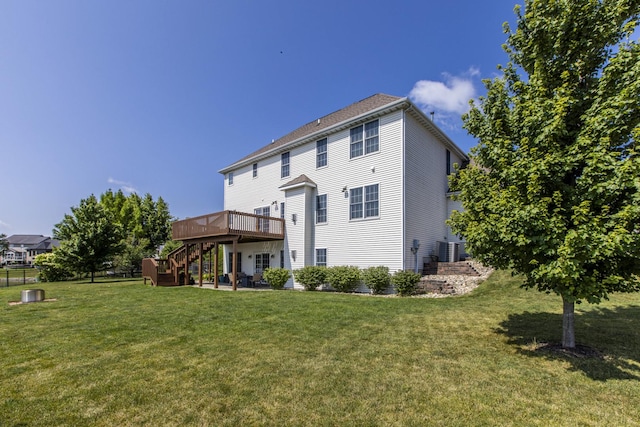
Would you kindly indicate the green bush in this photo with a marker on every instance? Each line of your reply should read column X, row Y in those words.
column 405, row 281
column 377, row 279
column 50, row 269
column 310, row 276
column 343, row 278
column 276, row 277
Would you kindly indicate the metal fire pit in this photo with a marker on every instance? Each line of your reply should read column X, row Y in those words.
column 32, row 295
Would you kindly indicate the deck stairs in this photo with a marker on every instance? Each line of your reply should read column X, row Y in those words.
column 166, row 272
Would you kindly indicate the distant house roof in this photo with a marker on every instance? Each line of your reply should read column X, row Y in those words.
column 26, row 239
column 32, row 241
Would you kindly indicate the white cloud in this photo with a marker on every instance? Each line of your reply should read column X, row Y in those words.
column 4, row 224
column 126, row 187
column 450, row 96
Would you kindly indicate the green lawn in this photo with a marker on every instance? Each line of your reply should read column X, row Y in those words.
column 122, row 353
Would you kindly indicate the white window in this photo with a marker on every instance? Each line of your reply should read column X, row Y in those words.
column 364, row 139
column 255, row 170
column 263, row 223
column 321, row 208
column 321, row 153
column 230, row 178
column 364, row 202
column 284, row 165
column 321, row 257
column 261, row 263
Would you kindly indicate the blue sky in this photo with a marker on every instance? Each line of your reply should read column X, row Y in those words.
column 156, row 96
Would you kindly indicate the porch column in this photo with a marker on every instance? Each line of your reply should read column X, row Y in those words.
column 186, row 264
column 215, row 265
column 234, row 267
column 200, row 255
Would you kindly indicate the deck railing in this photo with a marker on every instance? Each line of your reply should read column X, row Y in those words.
column 228, row 223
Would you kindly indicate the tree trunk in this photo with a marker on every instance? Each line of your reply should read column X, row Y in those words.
column 568, row 331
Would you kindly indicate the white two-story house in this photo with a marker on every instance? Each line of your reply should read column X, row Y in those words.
column 365, row 186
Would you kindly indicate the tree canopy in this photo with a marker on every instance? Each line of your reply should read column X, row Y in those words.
column 116, row 231
column 553, row 190
column 89, row 237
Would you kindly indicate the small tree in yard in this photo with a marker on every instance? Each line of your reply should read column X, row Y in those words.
column 405, row 282
column 377, row 279
column 50, row 268
column 311, row 276
column 276, row 277
column 553, row 192
column 89, row 238
column 344, row 278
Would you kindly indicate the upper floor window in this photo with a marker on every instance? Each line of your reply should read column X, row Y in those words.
column 364, row 202
column 284, row 165
column 282, row 210
column 321, row 208
column 321, row 257
column 230, row 178
column 255, row 170
column 321, row 153
column 448, row 162
column 364, row 139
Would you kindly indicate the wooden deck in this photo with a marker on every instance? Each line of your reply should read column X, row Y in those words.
column 203, row 234
column 228, row 226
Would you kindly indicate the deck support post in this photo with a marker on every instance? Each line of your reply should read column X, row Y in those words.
column 186, row 264
column 215, row 265
column 200, row 255
column 234, row 267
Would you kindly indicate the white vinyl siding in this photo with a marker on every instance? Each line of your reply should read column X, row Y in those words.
column 426, row 206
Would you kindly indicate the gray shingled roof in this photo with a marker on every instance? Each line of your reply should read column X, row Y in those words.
column 302, row 179
column 26, row 239
column 354, row 110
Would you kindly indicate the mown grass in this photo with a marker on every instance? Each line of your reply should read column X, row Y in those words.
column 121, row 353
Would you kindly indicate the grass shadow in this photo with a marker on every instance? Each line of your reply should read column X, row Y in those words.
column 607, row 344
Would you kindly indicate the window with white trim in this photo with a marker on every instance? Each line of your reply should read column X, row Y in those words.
column 321, row 153
column 321, row 208
column 364, row 202
column 364, row 139
column 263, row 223
column 261, row 262
column 230, row 178
column 284, row 165
column 321, row 257
column 255, row 170
column 282, row 210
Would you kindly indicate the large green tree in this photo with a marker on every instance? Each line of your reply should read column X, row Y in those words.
column 89, row 237
column 146, row 225
column 553, row 191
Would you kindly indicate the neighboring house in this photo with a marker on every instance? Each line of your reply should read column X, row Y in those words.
column 364, row 186
column 23, row 248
